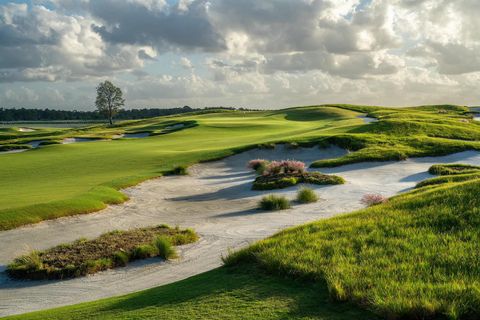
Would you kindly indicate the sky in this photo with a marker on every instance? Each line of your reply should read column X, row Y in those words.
column 240, row 53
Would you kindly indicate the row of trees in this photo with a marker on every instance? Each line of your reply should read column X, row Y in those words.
column 23, row 114
column 109, row 103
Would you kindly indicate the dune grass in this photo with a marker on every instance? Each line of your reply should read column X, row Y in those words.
column 110, row 250
column 416, row 256
column 225, row 293
column 306, row 195
column 273, row 202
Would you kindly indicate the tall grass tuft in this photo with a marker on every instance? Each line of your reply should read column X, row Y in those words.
column 273, row 202
column 306, row 195
column 164, row 248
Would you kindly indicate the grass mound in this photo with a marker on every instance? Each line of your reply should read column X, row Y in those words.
column 110, row 250
column 449, row 169
column 414, row 257
column 450, row 173
column 273, row 202
column 279, row 181
column 306, row 195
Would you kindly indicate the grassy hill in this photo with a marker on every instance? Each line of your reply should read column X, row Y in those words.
column 416, row 256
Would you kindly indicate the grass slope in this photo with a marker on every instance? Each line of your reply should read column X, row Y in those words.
column 224, row 293
column 417, row 256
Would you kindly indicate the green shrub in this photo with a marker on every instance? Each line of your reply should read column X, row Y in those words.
column 187, row 236
column 164, row 248
column 273, row 202
column 25, row 265
column 120, row 258
column 144, row 251
column 93, row 266
column 180, row 171
column 306, row 195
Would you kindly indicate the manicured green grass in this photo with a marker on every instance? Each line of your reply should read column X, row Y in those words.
column 60, row 180
column 416, row 256
column 224, row 293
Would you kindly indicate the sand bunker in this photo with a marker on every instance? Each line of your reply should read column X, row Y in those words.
column 26, row 129
column 175, row 126
column 77, row 140
column 368, row 119
column 217, row 201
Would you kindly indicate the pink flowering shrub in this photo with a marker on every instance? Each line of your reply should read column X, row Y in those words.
column 257, row 163
column 371, row 199
column 284, row 167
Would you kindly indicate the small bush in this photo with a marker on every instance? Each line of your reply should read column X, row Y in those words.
column 180, row 171
column 93, row 266
column 306, row 195
column 120, row 258
column 144, row 251
column 187, row 236
column 273, row 202
column 284, row 167
column 256, row 163
column 371, row 199
column 164, row 248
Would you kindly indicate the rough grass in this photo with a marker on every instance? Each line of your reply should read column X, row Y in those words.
column 110, row 250
column 273, row 202
column 416, row 256
column 306, row 195
column 450, row 173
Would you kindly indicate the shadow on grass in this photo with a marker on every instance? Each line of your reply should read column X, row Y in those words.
column 235, row 293
column 241, row 292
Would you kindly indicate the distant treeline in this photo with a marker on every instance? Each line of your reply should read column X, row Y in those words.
column 23, row 114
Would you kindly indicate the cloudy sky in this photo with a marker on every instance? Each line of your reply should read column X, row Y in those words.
column 268, row 53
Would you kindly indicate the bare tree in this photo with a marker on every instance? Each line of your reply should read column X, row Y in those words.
column 109, row 100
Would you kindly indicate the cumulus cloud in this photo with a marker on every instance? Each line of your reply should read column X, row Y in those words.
column 293, row 51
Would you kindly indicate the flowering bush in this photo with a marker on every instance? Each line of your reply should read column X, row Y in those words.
column 371, row 199
column 256, row 163
column 284, row 167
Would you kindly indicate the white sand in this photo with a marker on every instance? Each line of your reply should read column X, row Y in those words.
column 175, row 126
column 215, row 200
column 368, row 119
column 77, row 140
column 26, row 129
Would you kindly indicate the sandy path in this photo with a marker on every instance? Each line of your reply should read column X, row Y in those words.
column 215, row 200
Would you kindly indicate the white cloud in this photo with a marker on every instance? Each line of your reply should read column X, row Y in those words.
column 255, row 52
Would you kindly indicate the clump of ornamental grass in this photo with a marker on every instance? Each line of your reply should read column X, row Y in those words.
column 273, row 203
column 371, row 199
column 164, row 248
column 306, row 195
